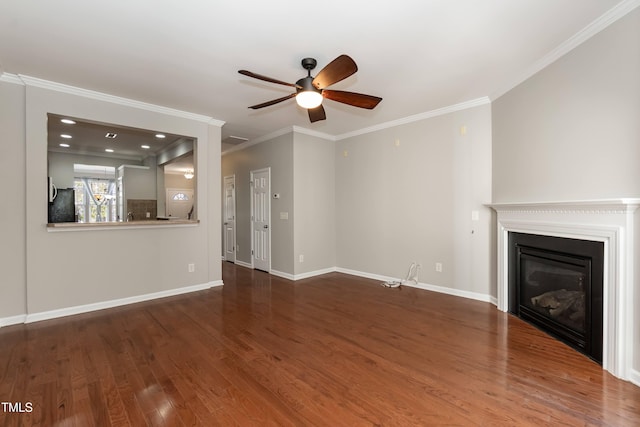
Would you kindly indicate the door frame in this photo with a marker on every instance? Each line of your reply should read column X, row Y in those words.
column 268, row 208
column 232, row 178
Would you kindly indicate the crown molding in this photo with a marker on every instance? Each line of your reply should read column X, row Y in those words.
column 322, row 135
column 417, row 117
column 280, row 132
column 11, row 78
column 601, row 206
column 612, row 15
column 85, row 93
column 267, row 137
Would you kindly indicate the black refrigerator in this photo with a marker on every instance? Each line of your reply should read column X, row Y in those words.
column 62, row 208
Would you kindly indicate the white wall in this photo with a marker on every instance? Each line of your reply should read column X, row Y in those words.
column 405, row 194
column 50, row 271
column 13, row 263
column 172, row 180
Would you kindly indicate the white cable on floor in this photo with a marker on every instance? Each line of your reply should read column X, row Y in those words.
column 411, row 279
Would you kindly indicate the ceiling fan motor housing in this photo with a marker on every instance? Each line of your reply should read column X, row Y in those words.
column 305, row 84
column 309, row 64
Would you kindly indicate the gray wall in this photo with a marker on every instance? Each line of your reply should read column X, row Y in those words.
column 13, row 261
column 412, row 202
column 61, row 166
column 383, row 206
column 314, row 203
column 278, row 155
column 49, row 271
column 571, row 131
column 139, row 183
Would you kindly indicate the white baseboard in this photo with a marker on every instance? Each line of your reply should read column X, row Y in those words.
column 365, row 274
column 425, row 286
column 13, row 320
column 314, row 273
column 634, row 377
column 303, row 275
column 455, row 292
column 46, row 315
column 215, row 284
column 243, row 264
column 287, row 276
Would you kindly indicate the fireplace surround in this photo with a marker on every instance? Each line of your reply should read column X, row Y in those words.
column 610, row 222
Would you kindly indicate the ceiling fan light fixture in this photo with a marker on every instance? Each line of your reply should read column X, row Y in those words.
column 309, row 99
column 311, row 90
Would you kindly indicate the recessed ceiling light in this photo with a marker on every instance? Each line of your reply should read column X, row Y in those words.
column 146, row 147
column 64, row 145
column 111, row 135
column 68, row 121
column 64, row 135
column 108, row 150
column 159, row 135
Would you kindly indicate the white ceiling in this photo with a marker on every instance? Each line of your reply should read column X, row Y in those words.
column 418, row 55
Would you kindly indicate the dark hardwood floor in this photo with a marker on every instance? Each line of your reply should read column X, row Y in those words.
column 334, row 350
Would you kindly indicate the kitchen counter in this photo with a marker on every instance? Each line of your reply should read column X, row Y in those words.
column 60, row 226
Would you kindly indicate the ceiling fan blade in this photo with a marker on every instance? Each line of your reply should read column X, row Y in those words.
column 316, row 114
column 338, row 69
column 265, row 78
column 272, row 102
column 356, row 99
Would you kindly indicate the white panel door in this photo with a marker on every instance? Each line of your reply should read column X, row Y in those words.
column 260, row 219
column 230, row 218
column 180, row 202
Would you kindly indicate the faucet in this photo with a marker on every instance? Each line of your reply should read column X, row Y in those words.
column 129, row 216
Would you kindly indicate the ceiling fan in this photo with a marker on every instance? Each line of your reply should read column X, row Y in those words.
column 311, row 90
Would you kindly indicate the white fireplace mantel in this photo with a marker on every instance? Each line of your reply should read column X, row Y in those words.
column 607, row 221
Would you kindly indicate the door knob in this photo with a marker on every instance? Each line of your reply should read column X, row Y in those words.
column 266, row 226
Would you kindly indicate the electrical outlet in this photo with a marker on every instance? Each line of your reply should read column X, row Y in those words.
column 439, row 267
column 192, row 268
column 301, row 258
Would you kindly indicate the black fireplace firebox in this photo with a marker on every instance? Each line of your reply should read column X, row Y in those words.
column 556, row 284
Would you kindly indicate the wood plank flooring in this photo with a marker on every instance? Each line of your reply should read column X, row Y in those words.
column 334, row 350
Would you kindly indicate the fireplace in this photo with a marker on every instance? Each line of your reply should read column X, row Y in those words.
column 556, row 284
column 616, row 225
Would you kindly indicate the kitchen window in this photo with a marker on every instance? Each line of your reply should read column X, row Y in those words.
column 95, row 199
